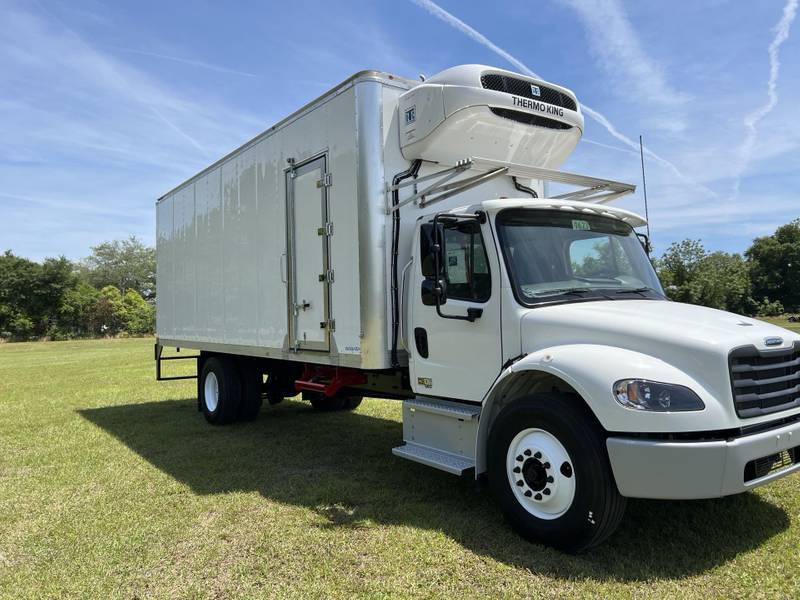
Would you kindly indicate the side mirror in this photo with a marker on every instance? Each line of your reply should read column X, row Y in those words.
column 430, row 294
column 428, row 243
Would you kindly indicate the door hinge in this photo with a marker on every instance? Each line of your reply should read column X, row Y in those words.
column 330, row 324
column 326, row 181
column 326, row 229
column 290, row 162
column 327, row 276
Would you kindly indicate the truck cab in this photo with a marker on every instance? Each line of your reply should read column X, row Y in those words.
column 573, row 381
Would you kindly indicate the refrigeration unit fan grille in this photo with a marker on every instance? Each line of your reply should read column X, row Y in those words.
column 526, row 89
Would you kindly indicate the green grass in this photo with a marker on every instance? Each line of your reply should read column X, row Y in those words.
column 112, row 485
column 783, row 322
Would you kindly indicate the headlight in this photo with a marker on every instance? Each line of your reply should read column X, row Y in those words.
column 641, row 394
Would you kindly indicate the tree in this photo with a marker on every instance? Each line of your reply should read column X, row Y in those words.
column 56, row 277
column 722, row 281
column 677, row 266
column 140, row 316
column 31, row 294
column 76, row 310
column 108, row 316
column 718, row 280
column 17, row 277
column 124, row 264
column 775, row 266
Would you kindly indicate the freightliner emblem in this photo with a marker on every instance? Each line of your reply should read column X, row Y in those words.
column 773, row 341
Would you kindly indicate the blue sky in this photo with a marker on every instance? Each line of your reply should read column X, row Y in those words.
column 105, row 106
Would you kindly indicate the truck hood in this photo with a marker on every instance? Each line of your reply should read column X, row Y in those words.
column 655, row 327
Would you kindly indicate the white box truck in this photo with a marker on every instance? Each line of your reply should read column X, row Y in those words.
column 395, row 239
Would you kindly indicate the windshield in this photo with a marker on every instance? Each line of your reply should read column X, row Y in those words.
column 561, row 256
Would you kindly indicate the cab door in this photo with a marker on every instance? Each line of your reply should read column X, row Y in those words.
column 452, row 357
column 309, row 273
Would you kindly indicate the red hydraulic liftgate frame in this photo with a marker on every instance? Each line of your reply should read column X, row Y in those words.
column 328, row 380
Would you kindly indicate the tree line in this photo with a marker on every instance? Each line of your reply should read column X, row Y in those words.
column 112, row 292
column 765, row 281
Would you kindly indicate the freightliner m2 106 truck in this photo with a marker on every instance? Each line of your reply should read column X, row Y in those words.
column 396, row 239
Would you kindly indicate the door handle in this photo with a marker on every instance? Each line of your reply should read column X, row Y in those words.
column 474, row 313
column 303, row 305
column 283, row 268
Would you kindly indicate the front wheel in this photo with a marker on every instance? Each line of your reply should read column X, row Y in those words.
column 549, row 469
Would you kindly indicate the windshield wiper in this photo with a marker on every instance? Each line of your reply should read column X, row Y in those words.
column 564, row 291
column 639, row 290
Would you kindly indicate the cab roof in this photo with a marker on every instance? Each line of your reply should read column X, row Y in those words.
column 572, row 206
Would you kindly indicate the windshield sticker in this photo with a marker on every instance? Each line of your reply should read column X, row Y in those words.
column 581, row 225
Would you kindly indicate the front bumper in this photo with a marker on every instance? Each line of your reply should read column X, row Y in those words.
column 683, row 470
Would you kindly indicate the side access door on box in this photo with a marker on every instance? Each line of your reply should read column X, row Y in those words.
column 308, row 256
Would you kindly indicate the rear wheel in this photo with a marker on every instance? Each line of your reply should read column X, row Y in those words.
column 220, row 391
column 252, row 389
column 549, row 469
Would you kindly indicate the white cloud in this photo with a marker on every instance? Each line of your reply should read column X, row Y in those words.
column 458, row 24
column 188, row 61
column 614, row 40
column 752, row 120
column 89, row 142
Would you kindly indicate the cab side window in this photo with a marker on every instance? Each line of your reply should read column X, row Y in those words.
column 466, row 266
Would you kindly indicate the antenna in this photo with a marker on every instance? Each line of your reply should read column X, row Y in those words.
column 644, row 185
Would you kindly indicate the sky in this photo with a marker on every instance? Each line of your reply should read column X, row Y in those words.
column 105, row 106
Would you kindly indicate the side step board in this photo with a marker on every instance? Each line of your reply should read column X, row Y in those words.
column 440, row 434
column 438, row 459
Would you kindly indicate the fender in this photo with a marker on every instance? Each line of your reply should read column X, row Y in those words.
column 590, row 371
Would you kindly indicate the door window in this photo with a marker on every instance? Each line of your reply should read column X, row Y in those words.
column 466, row 266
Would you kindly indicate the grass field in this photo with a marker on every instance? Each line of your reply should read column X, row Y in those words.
column 112, row 485
column 784, row 322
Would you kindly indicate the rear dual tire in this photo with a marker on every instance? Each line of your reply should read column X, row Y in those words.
column 220, row 390
column 229, row 390
column 549, row 469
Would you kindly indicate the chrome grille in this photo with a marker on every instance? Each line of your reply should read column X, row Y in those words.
column 765, row 381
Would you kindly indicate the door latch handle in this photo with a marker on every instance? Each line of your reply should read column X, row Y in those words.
column 474, row 313
column 302, row 305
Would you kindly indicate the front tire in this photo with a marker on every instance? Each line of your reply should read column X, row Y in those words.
column 220, row 390
column 549, row 469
